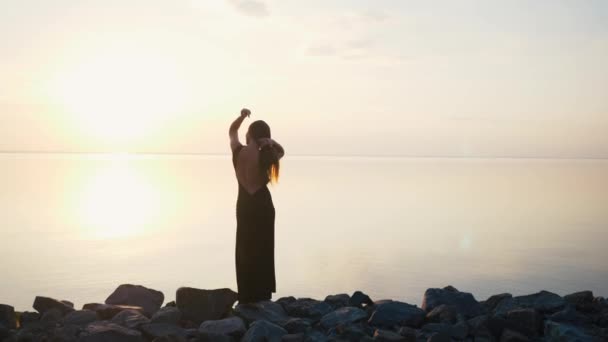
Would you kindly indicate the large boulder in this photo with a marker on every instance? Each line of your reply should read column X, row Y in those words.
column 358, row 299
column 571, row 316
column 582, row 301
column 264, row 331
column 343, row 316
column 513, row 336
column 491, row 303
column 457, row 331
column 565, row 332
column 168, row 314
column 297, row 325
column 464, row 302
column 264, row 310
column 28, row 318
column 307, row 307
column 543, row 301
column 136, row 295
column 44, row 304
column 338, row 301
column 107, row 311
column 526, row 321
column 156, row 330
column 80, row 317
column 443, row 314
column 199, row 305
column 7, row 316
column 232, row 326
column 131, row 319
column 109, row 332
column 393, row 313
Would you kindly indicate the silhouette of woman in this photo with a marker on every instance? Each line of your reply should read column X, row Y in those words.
column 256, row 164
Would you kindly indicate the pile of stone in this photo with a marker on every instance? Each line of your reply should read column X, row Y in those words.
column 136, row 313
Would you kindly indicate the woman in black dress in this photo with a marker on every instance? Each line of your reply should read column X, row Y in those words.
column 256, row 164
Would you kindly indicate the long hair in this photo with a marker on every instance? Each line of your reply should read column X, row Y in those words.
column 269, row 156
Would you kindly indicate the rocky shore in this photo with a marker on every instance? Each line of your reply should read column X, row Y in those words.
column 136, row 313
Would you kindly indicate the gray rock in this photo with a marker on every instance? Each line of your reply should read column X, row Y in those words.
column 130, row 319
column 439, row 337
column 565, row 332
column 494, row 300
column 68, row 303
column 458, row 331
column 211, row 337
column 26, row 318
column 359, row 298
column 4, row 332
column 544, row 301
column 307, row 307
column 168, row 314
column 7, row 317
column 43, row 304
column 350, row 332
column 156, row 330
column 407, row 332
column 109, row 332
column 571, row 316
column 297, row 325
column 343, row 316
column 388, row 336
column 285, row 300
column 486, row 327
column 264, row 331
column 443, row 314
column 315, row 336
column 582, row 301
column 338, row 301
column 50, row 318
column 80, row 317
column 464, row 302
column 293, row 338
column 199, row 305
column 107, row 311
column 526, row 321
column 513, row 336
column 265, row 310
column 136, row 295
column 232, row 326
column 394, row 313
column 172, row 339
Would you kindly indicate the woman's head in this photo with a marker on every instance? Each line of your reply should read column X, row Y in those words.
column 257, row 130
column 269, row 156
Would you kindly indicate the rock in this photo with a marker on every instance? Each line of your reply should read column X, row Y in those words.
column 80, row 317
column 458, row 331
column 439, row 337
column 464, row 302
column 107, row 311
column 199, row 305
column 565, row 332
column 297, row 325
column 109, row 332
column 526, row 321
column 582, row 301
column 443, row 314
column 68, row 303
column 210, row 337
column 293, row 338
column 494, row 300
column 67, row 333
column 232, row 326
column 131, row 319
column 543, row 301
column 315, row 336
column 513, row 336
column 137, row 295
column 4, row 332
column 393, row 313
column 358, row 299
column 26, row 318
column 168, row 314
column 285, row 300
column 343, row 316
column 43, row 304
column 264, row 310
column 388, row 336
column 408, row 333
column 50, row 318
column 338, row 301
column 156, row 330
column 571, row 316
column 307, row 307
column 486, row 327
column 7, row 317
column 170, row 339
column 264, row 331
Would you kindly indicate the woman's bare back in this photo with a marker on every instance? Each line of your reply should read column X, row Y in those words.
column 248, row 171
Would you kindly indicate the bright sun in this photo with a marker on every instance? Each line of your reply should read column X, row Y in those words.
column 122, row 96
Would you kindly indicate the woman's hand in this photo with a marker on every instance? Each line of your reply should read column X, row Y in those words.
column 245, row 113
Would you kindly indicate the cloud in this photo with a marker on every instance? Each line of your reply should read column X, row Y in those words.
column 253, row 8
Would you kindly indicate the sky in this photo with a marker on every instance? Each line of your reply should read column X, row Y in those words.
column 470, row 78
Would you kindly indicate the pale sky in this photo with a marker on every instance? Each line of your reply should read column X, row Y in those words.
column 375, row 77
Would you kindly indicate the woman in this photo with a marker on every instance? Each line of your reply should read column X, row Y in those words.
column 256, row 164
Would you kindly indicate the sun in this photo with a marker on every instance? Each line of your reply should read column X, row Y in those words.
column 122, row 95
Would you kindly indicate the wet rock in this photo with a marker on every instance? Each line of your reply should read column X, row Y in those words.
column 44, row 304
column 168, row 314
column 565, row 332
column 8, row 317
column 388, row 336
column 443, row 314
column 358, row 299
column 494, row 300
column 109, row 332
column 543, row 301
column 264, row 331
column 393, row 313
column 526, row 321
column 464, row 302
column 130, row 319
column 107, row 311
column 338, row 301
column 307, row 307
column 156, row 330
column 264, row 310
column 80, row 317
column 297, row 325
column 343, row 316
column 136, row 295
column 232, row 326
column 198, row 305
column 513, row 336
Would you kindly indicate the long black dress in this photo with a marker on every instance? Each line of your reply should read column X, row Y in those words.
column 254, row 254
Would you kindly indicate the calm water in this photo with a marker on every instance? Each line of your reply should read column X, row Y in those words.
column 75, row 227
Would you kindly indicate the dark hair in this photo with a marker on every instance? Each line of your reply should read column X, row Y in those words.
column 269, row 156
